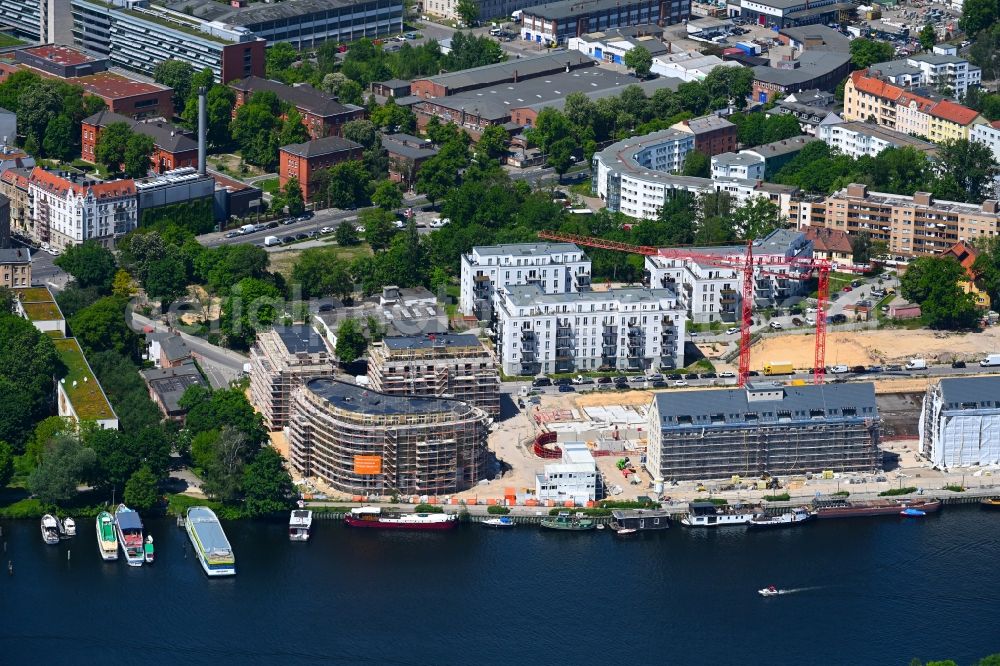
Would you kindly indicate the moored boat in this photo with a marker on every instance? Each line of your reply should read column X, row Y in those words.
column 147, row 550
column 639, row 520
column 107, row 540
column 128, row 526
column 569, row 523
column 68, row 527
column 210, row 542
column 841, row 508
column 299, row 524
column 769, row 591
column 910, row 512
column 500, row 521
column 50, row 529
column 377, row 517
column 792, row 518
column 990, row 504
column 709, row 514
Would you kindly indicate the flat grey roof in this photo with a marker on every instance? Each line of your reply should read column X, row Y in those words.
column 890, row 135
column 526, row 249
column 210, row 10
column 736, row 159
column 704, row 408
column 937, row 58
column 964, row 392
column 354, row 398
column 300, row 338
column 554, row 11
column 407, row 148
column 502, row 71
column 328, row 145
column 649, row 86
column 813, row 64
column 832, row 39
column 523, row 295
column 442, row 340
column 783, row 147
column 894, row 68
column 708, row 123
column 303, row 96
column 171, row 383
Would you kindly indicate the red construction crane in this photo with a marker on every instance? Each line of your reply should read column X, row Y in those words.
column 749, row 268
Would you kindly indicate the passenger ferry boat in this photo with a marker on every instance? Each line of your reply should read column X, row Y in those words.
column 299, row 524
column 50, row 529
column 128, row 525
column 640, row 520
column 375, row 516
column 792, row 518
column 107, row 540
column 707, row 514
column 210, row 542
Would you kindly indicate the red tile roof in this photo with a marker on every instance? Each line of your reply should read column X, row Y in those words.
column 14, row 178
column 923, row 104
column 116, row 86
column 956, row 113
column 873, row 86
column 829, row 240
column 964, row 253
column 60, row 185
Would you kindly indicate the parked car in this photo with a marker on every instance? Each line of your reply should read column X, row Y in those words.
column 958, row 364
column 288, row 239
column 724, row 375
column 753, row 373
column 859, row 369
column 691, row 375
column 520, row 403
column 659, row 383
column 301, row 236
column 288, row 220
column 564, row 381
column 621, row 379
column 874, row 368
column 327, row 230
column 856, row 283
column 232, row 234
column 732, row 330
column 847, row 289
column 541, row 381
column 674, row 377
column 776, row 325
column 839, row 369
column 308, row 215
column 707, row 375
column 680, row 383
column 893, row 368
column 566, row 388
column 839, row 319
column 637, row 378
column 272, row 225
column 654, row 377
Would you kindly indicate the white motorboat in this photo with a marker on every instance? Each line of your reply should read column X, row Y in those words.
column 299, row 524
column 50, row 529
column 68, row 527
column 501, row 521
column 625, row 531
column 788, row 519
column 769, row 591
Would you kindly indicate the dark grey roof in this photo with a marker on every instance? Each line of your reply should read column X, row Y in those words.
column 964, row 392
column 813, row 64
column 354, row 398
column 782, row 147
column 300, row 338
column 892, row 68
column 408, row 146
column 440, row 340
column 565, row 9
column 302, row 96
column 709, row 123
column 394, row 83
column 255, row 13
column 168, row 137
column 16, row 255
column 503, row 71
column 833, row 40
column 169, row 384
column 174, row 347
column 805, row 403
column 328, row 145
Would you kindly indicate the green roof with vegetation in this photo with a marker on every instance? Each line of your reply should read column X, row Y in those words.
column 34, row 295
column 42, row 311
column 89, row 401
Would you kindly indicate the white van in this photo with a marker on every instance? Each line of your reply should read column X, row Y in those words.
column 271, row 240
column 991, row 360
column 247, row 229
column 916, row 364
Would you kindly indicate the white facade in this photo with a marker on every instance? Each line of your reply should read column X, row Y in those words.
column 688, row 65
column 558, row 268
column 988, row 135
column 67, row 212
column 858, row 139
column 574, row 479
column 737, row 165
column 945, row 70
column 628, row 329
column 960, row 422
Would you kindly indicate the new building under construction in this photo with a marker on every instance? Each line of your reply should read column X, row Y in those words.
column 443, row 365
column 280, row 360
column 763, row 429
column 362, row 441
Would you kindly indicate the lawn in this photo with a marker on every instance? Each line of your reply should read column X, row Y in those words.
column 271, row 185
column 86, row 395
column 282, row 262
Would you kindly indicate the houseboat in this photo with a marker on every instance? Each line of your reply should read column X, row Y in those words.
column 568, row 523
column 841, row 508
column 791, row 518
column 640, row 520
column 128, row 526
column 391, row 519
column 708, row 514
column 299, row 524
column 210, row 542
column 107, row 540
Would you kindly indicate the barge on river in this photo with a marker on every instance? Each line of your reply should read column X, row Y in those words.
column 841, row 508
column 210, row 542
column 391, row 519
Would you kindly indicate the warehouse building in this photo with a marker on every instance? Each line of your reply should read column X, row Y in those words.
column 558, row 22
column 280, row 360
column 443, row 365
column 763, row 429
column 960, row 422
column 366, row 442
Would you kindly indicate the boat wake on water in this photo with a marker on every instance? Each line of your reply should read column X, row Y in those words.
column 795, row 590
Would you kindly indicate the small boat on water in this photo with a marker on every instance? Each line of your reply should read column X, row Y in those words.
column 792, row 518
column 147, row 550
column 299, row 524
column 50, row 529
column 627, row 521
column 625, row 531
column 107, row 541
column 910, row 512
column 210, row 542
column 565, row 522
column 68, row 527
column 501, row 521
column 769, row 591
column 990, row 504
column 708, row 514
column 128, row 525
column 377, row 517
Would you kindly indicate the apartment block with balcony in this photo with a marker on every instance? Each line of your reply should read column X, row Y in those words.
column 281, row 360
column 630, row 329
column 556, row 268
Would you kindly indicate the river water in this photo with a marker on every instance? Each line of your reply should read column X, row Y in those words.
column 868, row 591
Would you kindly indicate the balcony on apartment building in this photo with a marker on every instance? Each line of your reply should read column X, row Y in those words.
column 582, row 281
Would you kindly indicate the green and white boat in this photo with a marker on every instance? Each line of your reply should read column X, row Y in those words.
column 565, row 521
column 107, row 540
column 210, row 542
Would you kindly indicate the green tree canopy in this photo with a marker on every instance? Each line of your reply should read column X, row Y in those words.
column 112, row 145
column 60, row 140
column 177, row 75
column 379, row 226
column 141, row 490
column 968, row 171
column 167, row 279
column 697, row 163
column 933, row 282
column 349, row 186
column 6, row 464
column 927, row 37
column 865, row 52
column 320, row 273
column 468, row 11
column 351, row 342
column 101, row 326
column 267, row 486
column 387, row 195
column 90, row 263
column 639, row 60
column 346, row 234
column 65, row 463
column 28, row 362
column 252, row 305
column 222, row 408
column 978, row 15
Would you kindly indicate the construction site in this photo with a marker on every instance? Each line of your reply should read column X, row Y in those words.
column 449, row 365
column 280, row 360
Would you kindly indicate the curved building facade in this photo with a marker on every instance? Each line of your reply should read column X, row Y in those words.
column 365, row 442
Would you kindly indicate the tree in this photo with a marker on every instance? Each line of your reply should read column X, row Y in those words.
column 293, row 130
column 387, row 195
column 697, row 163
column 968, row 170
column 865, row 52
column 861, row 245
column 90, row 264
column 59, row 140
column 112, row 143
column 28, row 362
column 64, row 464
column 361, row 131
column 560, row 156
column 927, row 37
column 223, row 473
column 167, row 280
column 6, row 464
column 267, row 486
column 37, row 105
column 122, row 285
column 220, row 409
column 252, row 305
column 279, row 57
column 351, row 342
column 639, row 60
column 319, row 272
column 346, row 234
column 379, row 227
column 350, row 93
column 756, row 218
column 140, row 490
column 175, row 74
column 468, row 11
column 933, row 282
column 493, row 141
column 979, row 15
column 138, row 152
column 253, row 131
column 293, row 197
column 348, row 185
column 102, row 326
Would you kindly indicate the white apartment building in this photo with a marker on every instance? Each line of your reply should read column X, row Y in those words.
column 960, row 422
column 737, row 165
column 558, row 268
column 573, row 479
column 947, row 71
column 632, row 328
column 857, row 139
column 710, row 292
column 69, row 209
column 988, row 135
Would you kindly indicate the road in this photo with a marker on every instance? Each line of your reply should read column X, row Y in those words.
column 221, row 365
column 43, row 269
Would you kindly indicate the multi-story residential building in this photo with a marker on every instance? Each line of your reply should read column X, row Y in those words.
column 913, row 114
column 763, row 429
column 443, row 365
column 304, row 160
column 557, row 268
column 15, row 267
column 281, row 360
column 779, row 153
column 960, row 422
column 712, row 134
column 14, row 186
column 738, row 165
column 69, row 209
column 173, row 147
column 4, row 222
column 713, row 292
column 557, row 22
column 948, row 73
column 364, row 442
column 911, row 226
column 407, row 153
column 857, row 139
column 321, row 115
column 952, row 122
column 626, row 329
column 988, row 135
